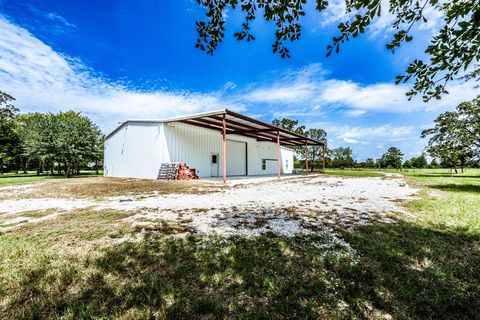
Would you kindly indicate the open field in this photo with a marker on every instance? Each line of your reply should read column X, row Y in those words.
column 319, row 247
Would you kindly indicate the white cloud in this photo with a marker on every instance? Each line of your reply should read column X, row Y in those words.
column 374, row 140
column 365, row 134
column 309, row 90
column 60, row 23
column 282, row 93
column 375, row 97
column 336, row 12
column 382, row 26
column 355, row 113
column 292, row 87
column 58, row 18
column 350, row 140
column 435, row 18
column 44, row 80
column 385, row 132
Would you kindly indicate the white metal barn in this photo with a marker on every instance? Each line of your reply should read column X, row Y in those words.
column 217, row 144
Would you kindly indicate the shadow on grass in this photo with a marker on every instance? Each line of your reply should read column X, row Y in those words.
column 398, row 269
column 452, row 187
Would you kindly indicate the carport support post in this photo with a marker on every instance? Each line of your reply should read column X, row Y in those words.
column 224, row 149
column 278, row 154
column 306, row 156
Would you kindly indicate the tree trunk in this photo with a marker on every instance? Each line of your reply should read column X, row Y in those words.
column 1, row 166
column 24, row 164
column 66, row 168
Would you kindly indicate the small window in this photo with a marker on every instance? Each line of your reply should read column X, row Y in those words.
column 286, row 163
column 264, row 164
column 214, row 159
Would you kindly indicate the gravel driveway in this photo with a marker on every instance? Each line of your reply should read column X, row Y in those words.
column 285, row 207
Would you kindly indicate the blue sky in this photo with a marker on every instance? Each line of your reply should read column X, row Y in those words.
column 114, row 60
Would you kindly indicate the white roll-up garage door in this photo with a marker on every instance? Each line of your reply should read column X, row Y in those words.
column 236, row 158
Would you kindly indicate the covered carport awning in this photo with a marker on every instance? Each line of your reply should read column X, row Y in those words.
column 246, row 126
column 230, row 122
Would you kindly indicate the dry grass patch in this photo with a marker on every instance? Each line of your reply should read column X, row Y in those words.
column 110, row 187
column 162, row 227
column 79, row 229
column 36, row 214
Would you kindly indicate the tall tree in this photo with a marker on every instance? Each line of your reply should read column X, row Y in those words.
column 342, row 157
column 369, row 163
column 454, row 51
column 392, row 158
column 289, row 124
column 9, row 141
column 469, row 114
column 76, row 140
column 37, row 134
column 419, row 162
column 67, row 138
column 433, row 164
column 455, row 138
column 316, row 152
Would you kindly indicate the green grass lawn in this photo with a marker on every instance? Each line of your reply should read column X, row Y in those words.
column 30, row 177
column 423, row 267
column 353, row 172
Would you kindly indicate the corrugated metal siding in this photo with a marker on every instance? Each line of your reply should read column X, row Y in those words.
column 287, row 160
column 237, row 156
column 267, row 151
column 192, row 145
column 137, row 150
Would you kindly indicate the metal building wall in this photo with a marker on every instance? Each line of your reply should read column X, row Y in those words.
column 268, row 150
column 194, row 146
column 136, row 150
column 287, row 160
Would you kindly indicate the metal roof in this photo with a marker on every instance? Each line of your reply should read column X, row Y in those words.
column 236, row 123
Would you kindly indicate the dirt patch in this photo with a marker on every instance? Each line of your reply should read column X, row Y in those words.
column 101, row 187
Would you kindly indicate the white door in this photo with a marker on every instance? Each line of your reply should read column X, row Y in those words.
column 236, row 158
column 214, row 164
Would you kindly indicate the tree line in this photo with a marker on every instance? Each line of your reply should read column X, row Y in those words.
column 341, row 157
column 61, row 143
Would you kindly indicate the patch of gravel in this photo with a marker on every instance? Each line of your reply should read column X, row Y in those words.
column 14, row 191
column 254, row 221
column 286, row 207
